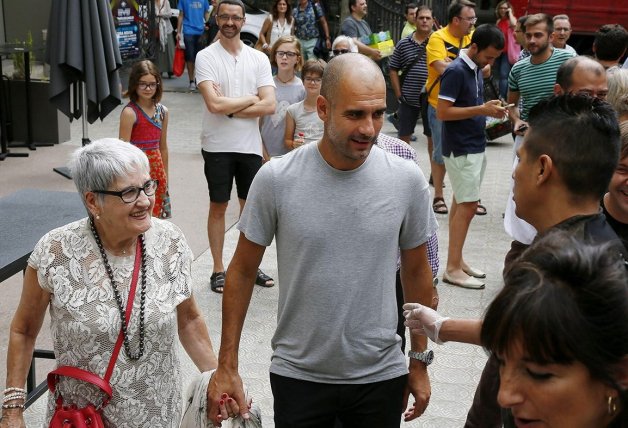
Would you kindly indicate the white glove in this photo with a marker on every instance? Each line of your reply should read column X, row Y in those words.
column 423, row 320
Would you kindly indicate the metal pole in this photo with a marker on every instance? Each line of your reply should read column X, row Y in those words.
column 85, row 141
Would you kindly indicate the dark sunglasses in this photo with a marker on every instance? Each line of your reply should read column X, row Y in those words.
column 340, row 51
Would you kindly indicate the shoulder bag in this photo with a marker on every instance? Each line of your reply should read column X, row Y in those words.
column 90, row 416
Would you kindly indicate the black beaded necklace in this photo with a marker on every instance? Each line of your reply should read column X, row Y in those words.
column 121, row 309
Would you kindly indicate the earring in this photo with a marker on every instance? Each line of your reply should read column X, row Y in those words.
column 97, row 217
column 612, row 405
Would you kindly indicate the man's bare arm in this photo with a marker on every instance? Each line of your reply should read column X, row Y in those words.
column 218, row 104
column 265, row 105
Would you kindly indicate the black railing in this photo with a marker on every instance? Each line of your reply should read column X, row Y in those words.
column 388, row 15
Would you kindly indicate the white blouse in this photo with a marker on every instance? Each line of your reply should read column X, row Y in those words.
column 85, row 320
column 279, row 30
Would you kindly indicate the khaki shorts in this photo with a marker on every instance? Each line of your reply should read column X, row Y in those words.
column 466, row 173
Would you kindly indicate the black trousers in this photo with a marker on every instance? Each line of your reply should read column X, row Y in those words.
column 303, row 404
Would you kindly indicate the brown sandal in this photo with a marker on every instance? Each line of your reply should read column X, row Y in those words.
column 439, row 206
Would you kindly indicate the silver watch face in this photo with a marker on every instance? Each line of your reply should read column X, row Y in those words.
column 425, row 357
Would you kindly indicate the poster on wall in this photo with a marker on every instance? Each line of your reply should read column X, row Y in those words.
column 125, row 18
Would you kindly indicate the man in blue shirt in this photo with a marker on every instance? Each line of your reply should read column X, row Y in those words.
column 191, row 24
column 462, row 109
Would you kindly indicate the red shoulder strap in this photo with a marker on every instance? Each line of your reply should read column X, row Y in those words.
column 84, row 375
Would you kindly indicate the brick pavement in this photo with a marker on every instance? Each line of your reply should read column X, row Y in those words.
column 456, row 369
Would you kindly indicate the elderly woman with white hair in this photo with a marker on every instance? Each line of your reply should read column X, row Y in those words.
column 83, row 273
column 618, row 92
column 342, row 45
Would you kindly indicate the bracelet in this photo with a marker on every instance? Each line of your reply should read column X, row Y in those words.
column 12, row 406
column 13, row 389
column 14, row 396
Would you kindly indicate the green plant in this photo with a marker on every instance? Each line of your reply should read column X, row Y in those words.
column 18, row 57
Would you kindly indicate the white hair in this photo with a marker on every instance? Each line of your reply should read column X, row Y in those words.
column 98, row 165
column 344, row 39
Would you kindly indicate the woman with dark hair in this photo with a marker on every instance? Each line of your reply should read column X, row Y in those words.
column 506, row 21
column 559, row 329
column 144, row 123
column 278, row 24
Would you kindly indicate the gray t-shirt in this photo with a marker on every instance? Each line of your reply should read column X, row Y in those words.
column 337, row 236
column 306, row 122
column 274, row 125
column 353, row 28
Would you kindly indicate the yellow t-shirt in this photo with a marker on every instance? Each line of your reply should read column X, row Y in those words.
column 442, row 45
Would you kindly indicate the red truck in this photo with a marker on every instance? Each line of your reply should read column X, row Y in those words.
column 586, row 16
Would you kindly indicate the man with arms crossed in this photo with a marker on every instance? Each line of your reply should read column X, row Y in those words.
column 339, row 211
column 463, row 111
column 237, row 87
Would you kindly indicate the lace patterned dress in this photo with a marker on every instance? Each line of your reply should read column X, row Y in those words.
column 85, row 321
column 146, row 134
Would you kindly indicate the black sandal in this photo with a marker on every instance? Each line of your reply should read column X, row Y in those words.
column 439, row 206
column 264, row 280
column 217, row 282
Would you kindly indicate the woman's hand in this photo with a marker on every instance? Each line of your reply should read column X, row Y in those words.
column 423, row 320
column 228, row 408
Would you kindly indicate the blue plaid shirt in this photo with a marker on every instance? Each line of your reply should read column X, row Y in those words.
column 404, row 150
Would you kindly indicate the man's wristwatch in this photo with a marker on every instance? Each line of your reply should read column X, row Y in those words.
column 426, row 357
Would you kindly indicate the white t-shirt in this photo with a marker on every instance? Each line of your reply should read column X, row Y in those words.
column 237, row 76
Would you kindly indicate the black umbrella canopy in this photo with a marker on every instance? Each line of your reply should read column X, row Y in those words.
column 83, row 47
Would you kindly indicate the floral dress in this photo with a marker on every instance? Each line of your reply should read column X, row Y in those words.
column 146, row 134
column 85, row 321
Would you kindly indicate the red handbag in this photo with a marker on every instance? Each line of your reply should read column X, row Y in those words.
column 178, row 65
column 90, row 416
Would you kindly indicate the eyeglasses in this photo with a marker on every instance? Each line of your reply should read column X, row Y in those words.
column 130, row 194
column 287, row 54
column 340, row 51
column 234, row 18
column 151, row 86
column 471, row 20
column 313, row 80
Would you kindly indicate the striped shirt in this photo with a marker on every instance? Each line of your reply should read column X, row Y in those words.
column 535, row 82
column 405, row 54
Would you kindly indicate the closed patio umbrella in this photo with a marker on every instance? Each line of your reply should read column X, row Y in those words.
column 84, row 57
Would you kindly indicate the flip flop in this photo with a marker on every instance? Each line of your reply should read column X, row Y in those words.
column 439, row 206
column 217, row 282
column 470, row 283
column 263, row 280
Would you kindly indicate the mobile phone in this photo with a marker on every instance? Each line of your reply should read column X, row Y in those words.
column 509, row 105
column 522, row 128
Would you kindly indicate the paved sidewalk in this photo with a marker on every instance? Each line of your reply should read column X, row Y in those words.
column 456, row 369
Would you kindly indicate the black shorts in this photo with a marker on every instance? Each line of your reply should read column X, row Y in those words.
column 222, row 167
column 427, row 131
column 300, row 404
column 408, row 117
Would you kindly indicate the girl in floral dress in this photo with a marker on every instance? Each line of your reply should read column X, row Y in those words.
column 144, row 123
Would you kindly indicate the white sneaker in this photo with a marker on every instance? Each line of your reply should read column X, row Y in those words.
column 192, row 86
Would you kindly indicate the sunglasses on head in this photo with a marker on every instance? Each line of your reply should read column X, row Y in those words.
column 340, row 51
